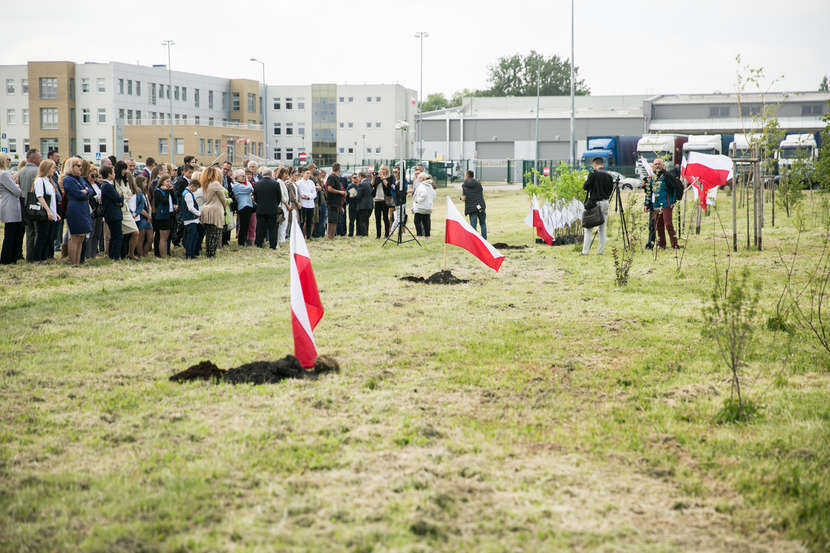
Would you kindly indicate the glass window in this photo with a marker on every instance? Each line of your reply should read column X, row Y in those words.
column 351, row 124
column 301, row 129
column 121, row 114
column 341, row 101
column 71, row 88
column 377, row 98
column 210, row 99
column 289, row 128
column 377, row 150
column 126, row 146
column 342, row 124
column 179, row 146
column 368, row 98
column 350, row 150
column 351, row 99
column 368, row 124
column 276, row 102
column 750, row 110
column 177, row 118
column 71, row 118
column 48, row 144
column 153, row 93
column 153, row 116
column 12, row 145
column 289, row 153
column 184, row 94
column 210, row 146
column 246, row 147
column 377, row 124
column 102, row 115
column 25, row 116
column 11, row 116
column 48, row 88
column 210, row 121
column 87, row 145
column 102, row 145
column 719, row 111
column 138, row 116
column 84, row 86
column 811, row 109
column 225, row 104
column 48, row 118
column 9, row 86
column 196, row 97
column 278, row 153
column 301, row 103
column 277, row 128
column 101, row 85
column 85, row 116
column 129, row 87
column 217, row 145
column 252, row 103
column 138, row 88
column 121, row 86
column 197, row 120
column 24, row 85
column 176, row 92
column 288, row 103
column 201, row 145
column 129, row 116
column 162, row 145
column 167, row 92
column 342, row 150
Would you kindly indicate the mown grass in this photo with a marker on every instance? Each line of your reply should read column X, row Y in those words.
column 538, row 408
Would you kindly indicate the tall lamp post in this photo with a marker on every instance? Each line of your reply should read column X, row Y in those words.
column 264, row 110
column 573, row 154
column 169, row 43
column 536, row 145
column 421, row 35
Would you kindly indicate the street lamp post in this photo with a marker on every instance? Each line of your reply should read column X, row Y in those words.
column 572, row 154
column 264, row 111
column 421, row 35
column 536, row 145
column 169, row 43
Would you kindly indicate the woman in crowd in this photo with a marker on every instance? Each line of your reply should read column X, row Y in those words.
column 213, row 209
column 125, row 187
column 381, row 190
column 243, row 191
column 250, row 176
column 78, row 220
column 142, row 211
column 422, row 198
column 163, row 212
column 287, row 200
column 397, row 183
column 47, row 197
column 10, row 214
column 92, row 176
column 112, row 202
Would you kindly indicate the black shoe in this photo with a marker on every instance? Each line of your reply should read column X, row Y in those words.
column 649, row 246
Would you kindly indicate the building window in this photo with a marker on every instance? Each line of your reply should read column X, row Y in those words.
column 259, row 149
column 85, row 116
column 217, row 145
column 289, row 153
column 301, row 103
column 184, row 119
column 342, row 150
column 153, row 117
column 198, row 120
column 72, row 89
column 351, row 99
column 100, row 84
column 24, row 85
column 341, row 101
column 210, row 121
column 84, row 86
column 196, row 97
column 87, row 146
column 121, row 86
column 301, row 129
column 121, row 114
column 246, row 147
column 138, row 116
column 377, row 124
column 277, row 128
column 351, row 124
column 162, row 145
column 377, row 99
column 288, row 103
column 289, row 128
column 9, row 86
column 202, row 146
column 368, row 124
column 129, row 87
column 25, row 116
column 176, row 92
column 342, row 124
column 12, row 145
column 276, row 102
column 153, row 93
column 11, row 116
column 225, row 105
column 750, row 110
column 719, row 111
column 278, row 153
column 252, row 103
column 167, row 92
column 102, row 145
column 377, row 150
column 184, row 94
column 810, row 109
column 126, row 146
column 369, row 99
column 48, row 88
column 138, row 88
column 48, row 118
column 251, row 122
column 48, row 144
column 130, row 116
column 177, row 119
column 210, row 99
column 72, row 115
column 102, row 115
column 179, row 146
column 210, row 146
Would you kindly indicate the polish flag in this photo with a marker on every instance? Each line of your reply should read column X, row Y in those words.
column 458, row 232
column 706, row 171
column 306, row 308
column 535, row 220
column 647, row 166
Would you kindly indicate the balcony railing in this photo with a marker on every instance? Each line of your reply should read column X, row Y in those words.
column 181, row 122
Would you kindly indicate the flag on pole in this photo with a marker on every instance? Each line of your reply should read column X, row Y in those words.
column 306, row 307
column 705, row 172
column 458, row 232
column 647, row 166
column 535, row 220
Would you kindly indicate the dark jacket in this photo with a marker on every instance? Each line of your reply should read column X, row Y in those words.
column 473, row 196
column 599, row 186
column 334, row 201
column 161, row 203
column 112, row 201
column 267, row 196
column 387, row 188
column 365, row 195
column 179, row 184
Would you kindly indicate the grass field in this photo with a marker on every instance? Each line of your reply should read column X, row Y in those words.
column 538, row 408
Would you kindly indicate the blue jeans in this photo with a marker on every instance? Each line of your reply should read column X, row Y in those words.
column 322, row 222
column 479, row 217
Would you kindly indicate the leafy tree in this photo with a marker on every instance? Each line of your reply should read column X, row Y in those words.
column 516, row 75
column 823, row 162
column 435, row 101
column 825, row 85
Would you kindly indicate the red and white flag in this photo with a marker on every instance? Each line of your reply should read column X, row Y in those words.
column 458, row 232
column 536, row 221
column 306, row 307
column 706, row 171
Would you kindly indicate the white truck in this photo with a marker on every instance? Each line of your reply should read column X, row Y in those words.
column 652, row 146
column 796, row 146
column 703, row 143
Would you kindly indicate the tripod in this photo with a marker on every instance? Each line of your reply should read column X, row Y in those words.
column 618, row 208
column 399, row 223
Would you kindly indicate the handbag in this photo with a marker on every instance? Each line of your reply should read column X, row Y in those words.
column 592, row 216
column 34, row 210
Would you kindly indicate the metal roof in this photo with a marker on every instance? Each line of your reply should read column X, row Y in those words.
column 747, row 97
column 731, row 124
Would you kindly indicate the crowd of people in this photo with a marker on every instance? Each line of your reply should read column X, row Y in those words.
column 81, row 209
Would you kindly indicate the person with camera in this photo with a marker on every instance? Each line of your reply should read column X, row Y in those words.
column 599, row 186
column 660, row 198
column 382, row 194
column 472, row 194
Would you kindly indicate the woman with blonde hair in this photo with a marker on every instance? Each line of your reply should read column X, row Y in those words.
column 78, row 219
column 10, row 214
column 47, row 198
column 212, row 211
column 92, row 177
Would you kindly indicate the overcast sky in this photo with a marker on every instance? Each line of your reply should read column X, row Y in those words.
column 633, row 47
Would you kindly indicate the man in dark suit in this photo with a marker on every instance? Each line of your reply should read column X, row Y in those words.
column 112, row 202
column 267, row 196
column 179, row 184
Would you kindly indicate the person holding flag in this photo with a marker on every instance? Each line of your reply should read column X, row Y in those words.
column 661, row 195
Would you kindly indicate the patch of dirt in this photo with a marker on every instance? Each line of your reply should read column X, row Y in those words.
column 258, row 372
column 441, row 277
column 505, row 246
column 562, row 240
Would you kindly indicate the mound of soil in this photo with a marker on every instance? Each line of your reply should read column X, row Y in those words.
column 562, row 240
column 441, row 277
column 258, row 372
column 504, row 246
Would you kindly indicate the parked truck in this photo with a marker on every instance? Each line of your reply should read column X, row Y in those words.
column 796, row 146
column 614, row 150
column 652, row 146
column 703, row 143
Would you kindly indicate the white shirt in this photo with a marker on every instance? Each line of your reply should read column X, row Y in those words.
column 306, row 188
column 188, row 200
column 43, row 187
